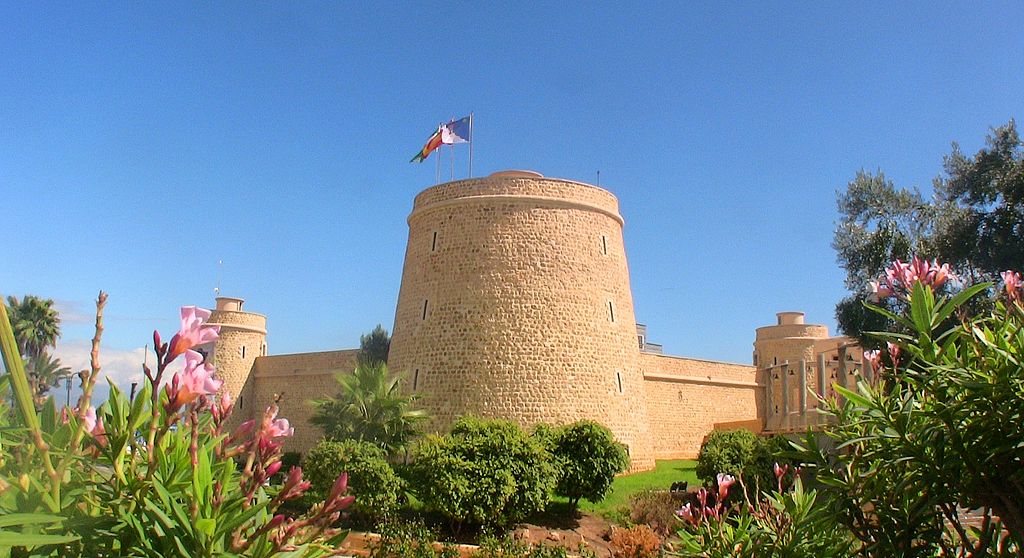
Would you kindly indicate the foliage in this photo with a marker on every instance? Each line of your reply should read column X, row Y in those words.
column 156, row 476
column 370, row 478
column 371, row 408
column 485, row 472
column 374, row 347
column 413, row 540
column 35, row 322
column 743, row 454
column 588, row 458
column 940, row 432
column 974, row 223
column 656, row 509
column 786, row 524
column 638, row 541
column 399, row 539
column 44, row 371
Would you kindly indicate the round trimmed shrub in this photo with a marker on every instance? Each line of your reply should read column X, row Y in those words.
column 484, row 472
column 588, row 458
column 744, row 455
column 370, row 478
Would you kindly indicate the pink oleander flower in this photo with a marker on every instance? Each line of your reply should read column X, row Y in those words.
column 275, row 427
column 89, row 418
column 294, row 486
column 194, row 331
column 874, row 358
column 222, row 409
column 195, row 380
column 1013, row 284
column 894, row 353
column 724, row 482
column 780, row 471
column 686, row 513
column 878, row 291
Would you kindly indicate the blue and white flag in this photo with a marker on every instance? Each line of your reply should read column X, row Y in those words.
column 456, row 131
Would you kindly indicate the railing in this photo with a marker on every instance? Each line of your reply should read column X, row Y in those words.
column 795, row 391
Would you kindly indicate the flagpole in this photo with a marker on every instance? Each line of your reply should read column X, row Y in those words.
column 437, row 172
column 471, row 144
column 452, row 161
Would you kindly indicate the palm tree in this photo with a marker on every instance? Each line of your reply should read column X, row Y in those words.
column 44, row 371
column 370, row 407
column 35, row 322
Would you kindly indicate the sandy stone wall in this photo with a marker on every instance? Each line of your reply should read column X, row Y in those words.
column 298, row 378
column 515, row 303
column 688, row 398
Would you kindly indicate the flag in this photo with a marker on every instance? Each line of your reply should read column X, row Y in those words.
column 433, row 143
column 456, row 131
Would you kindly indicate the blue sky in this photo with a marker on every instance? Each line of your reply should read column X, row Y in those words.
column 140, row 144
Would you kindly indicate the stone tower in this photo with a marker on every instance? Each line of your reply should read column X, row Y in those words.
column 515, row 303
column 243, row 337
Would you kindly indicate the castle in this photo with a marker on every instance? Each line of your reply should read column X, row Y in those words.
column 515, row 302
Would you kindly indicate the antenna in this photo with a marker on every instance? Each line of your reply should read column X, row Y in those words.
column 599, row 177
column 220, row 270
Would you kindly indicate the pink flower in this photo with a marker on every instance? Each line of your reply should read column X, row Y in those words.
column 874, row 358
column 293, row 486
column 275, row 427
column 781, row 471
column 193, row 331
column 686, row 513
column 89, row 418
column 195, row 380
column 724, row 482
column 1013, row 284
column 878, row 291
column 894, row 353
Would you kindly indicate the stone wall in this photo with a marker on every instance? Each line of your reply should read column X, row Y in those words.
column 297, row 379
column 515, row 303
column 688, row 398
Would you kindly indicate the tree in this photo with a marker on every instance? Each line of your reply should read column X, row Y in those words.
column 374, row 346
column 44, row 371
column 974, row 222
column 370, row 407
column 588, row 458
column 35, row 322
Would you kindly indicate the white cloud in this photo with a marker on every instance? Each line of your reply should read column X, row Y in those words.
column 122, row 366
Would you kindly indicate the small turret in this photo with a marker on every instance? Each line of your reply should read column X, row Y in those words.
column 243, row 337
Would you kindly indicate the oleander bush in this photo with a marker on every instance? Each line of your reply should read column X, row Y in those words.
column 161, row 475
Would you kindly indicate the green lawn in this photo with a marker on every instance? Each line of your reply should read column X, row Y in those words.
column 662, row 476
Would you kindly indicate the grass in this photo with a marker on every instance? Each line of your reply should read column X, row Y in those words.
column 661, row 477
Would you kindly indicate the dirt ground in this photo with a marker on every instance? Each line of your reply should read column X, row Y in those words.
column 591, row 530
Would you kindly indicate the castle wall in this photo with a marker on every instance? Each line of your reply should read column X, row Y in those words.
column 688, row 398
column 298, row 378
column 504, row 307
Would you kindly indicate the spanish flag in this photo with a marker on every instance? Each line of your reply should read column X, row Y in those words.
column 433, row 143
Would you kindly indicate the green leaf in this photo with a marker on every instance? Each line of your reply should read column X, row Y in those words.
column 15, row 519
column 207, row 526
column 28, row 539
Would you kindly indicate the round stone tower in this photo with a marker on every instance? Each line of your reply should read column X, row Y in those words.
column 243, row 337
column 515, row 303
column 790, row 340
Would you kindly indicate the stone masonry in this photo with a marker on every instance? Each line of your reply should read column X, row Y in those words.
column 515, row 303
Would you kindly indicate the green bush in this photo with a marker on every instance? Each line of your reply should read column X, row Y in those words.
column 485, row 472
column 370, row 478
column 744, row 455
column 588, row 458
